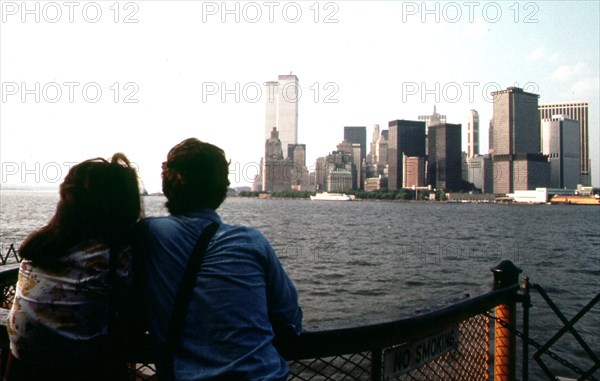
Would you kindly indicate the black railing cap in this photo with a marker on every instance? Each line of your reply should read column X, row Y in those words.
column 506, row 274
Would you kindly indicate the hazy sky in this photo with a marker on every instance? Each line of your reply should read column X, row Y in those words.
column 87, row 79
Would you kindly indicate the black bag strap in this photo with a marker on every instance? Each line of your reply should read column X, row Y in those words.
column 184, row 293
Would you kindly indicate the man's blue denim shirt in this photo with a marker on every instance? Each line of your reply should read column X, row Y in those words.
column 241, row 298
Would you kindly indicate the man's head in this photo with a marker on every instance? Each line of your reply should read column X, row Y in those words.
column 194, row 176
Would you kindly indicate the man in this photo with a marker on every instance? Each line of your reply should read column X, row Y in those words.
column 241, row 298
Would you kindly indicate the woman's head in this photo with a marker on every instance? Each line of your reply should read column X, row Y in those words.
column 195, row 175
column 99, row 199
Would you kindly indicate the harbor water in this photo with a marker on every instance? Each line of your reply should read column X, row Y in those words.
column 361, row 262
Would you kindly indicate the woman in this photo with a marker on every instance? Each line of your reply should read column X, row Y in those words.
column 74, row 278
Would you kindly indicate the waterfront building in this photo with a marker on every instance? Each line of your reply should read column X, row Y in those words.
column 406, row 137
column 518, row 162
column 373, row 184
column 444, row 167
column 300, row 177
column 530, row 171
column 339, row 174
column 320, row 174
column 352, row 162
column 277, row 172
column 538, row 195
column 339, row 181
column 413, row 171
column 282, row 109
column 577, row 111
column 480, row 173
column 561, row 143
column 472, row 134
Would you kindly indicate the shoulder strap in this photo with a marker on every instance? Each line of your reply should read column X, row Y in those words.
column 184, row 292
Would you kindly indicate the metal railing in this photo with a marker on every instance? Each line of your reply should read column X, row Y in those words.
column 456, row 342
column 471, row 339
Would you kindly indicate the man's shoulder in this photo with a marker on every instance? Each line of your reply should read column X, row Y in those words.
column 159, row 225
column 242, row 233
column 158, row 221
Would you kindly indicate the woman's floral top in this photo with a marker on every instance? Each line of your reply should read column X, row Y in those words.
column 62, row 313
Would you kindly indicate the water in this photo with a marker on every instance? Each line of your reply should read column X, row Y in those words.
column 372, row 261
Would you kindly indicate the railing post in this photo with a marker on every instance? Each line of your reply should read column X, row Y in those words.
column 376, row 364
column 526, row 306
column 505, row 344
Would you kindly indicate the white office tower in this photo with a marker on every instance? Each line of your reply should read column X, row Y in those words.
column 473, row 134
column 282, row 109
column 560, row 142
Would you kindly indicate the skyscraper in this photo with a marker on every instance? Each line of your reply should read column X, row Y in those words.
column 560, row 142
column 300, row 175
column 445, row 156
column 277, row 170
column 577, row 111
column 372, row 155
column 518, row 162
column 433, row 119
column 472, row 133
column 480, row 173
column 357, row 135
column 491, row 137
column 406, row 137
column 282, row 109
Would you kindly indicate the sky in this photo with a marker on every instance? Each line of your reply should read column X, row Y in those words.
column 83, row 79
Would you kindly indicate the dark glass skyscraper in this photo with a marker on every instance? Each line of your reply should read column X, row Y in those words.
column 357, row 135
column 445, row 156
column 406, row 137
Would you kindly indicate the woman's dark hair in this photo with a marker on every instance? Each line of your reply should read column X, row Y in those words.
column 98, row 200
column 195, row 175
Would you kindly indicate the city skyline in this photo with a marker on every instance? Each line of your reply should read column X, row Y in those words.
column 192, row 69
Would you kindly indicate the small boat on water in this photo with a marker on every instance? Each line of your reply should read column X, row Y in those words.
column 325, row 196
